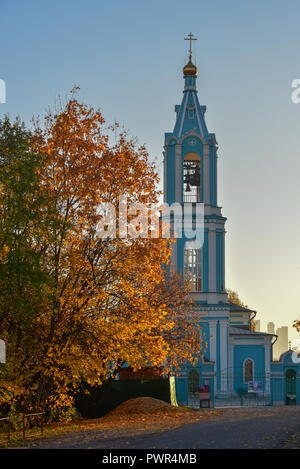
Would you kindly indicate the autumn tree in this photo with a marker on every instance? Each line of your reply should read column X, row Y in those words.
column 22, row 223
column 296, row 325
column 233, row 297
column 106, row 300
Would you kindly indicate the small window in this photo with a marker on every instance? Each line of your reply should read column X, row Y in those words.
column 248, row 370
column 191, row 112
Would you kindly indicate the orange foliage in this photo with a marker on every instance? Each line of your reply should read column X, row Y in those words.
column 110, row 300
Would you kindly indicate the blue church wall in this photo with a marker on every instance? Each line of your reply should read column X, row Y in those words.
column 240, row 354
column 277, row 389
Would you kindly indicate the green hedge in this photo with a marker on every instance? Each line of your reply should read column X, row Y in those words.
column 92, row 405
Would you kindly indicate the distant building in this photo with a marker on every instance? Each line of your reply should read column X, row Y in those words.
column 282, row 343
column 271, row 328
column 257, row 325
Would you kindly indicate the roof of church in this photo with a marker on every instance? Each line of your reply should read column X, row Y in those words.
column 196, row 122
column 233, row 330
column 190, row 114
column 237, row 308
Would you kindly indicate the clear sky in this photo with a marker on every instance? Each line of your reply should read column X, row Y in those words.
column 127, row 57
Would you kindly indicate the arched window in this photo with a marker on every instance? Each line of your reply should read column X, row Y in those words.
column 193, row 268
column 248, row 370
column 192, row 178
column 193, row 382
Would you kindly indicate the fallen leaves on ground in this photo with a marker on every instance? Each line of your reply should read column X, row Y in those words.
column 149, row 415
column 145, row 415
column 139, row 416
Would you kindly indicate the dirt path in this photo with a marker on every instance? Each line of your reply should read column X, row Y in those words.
column 265, row 427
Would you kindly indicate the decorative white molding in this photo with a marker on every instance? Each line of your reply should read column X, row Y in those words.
column 197, row 114
column 183, row 114
column 247, row 341
column 192, row 133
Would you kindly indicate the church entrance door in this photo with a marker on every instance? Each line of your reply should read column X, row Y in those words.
column 290, row 387
column 193, row 388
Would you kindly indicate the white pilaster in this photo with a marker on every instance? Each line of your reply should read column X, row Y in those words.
column 224, row 354
column 213, row 345
column 212, row 260
column 267, row 367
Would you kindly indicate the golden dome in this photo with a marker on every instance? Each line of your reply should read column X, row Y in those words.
column 190, row 70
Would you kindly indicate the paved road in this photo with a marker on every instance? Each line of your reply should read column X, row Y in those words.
column 265, row 427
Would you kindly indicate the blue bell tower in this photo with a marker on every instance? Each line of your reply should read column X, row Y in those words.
column 190, row 177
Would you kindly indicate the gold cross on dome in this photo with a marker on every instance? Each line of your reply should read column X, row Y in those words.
column 190, row 38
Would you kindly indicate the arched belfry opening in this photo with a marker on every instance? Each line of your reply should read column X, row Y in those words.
column 192, row 178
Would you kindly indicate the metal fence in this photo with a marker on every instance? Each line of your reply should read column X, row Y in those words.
column 4, row 430
column 30, row 422
column 232, row 389
column 236, row 391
